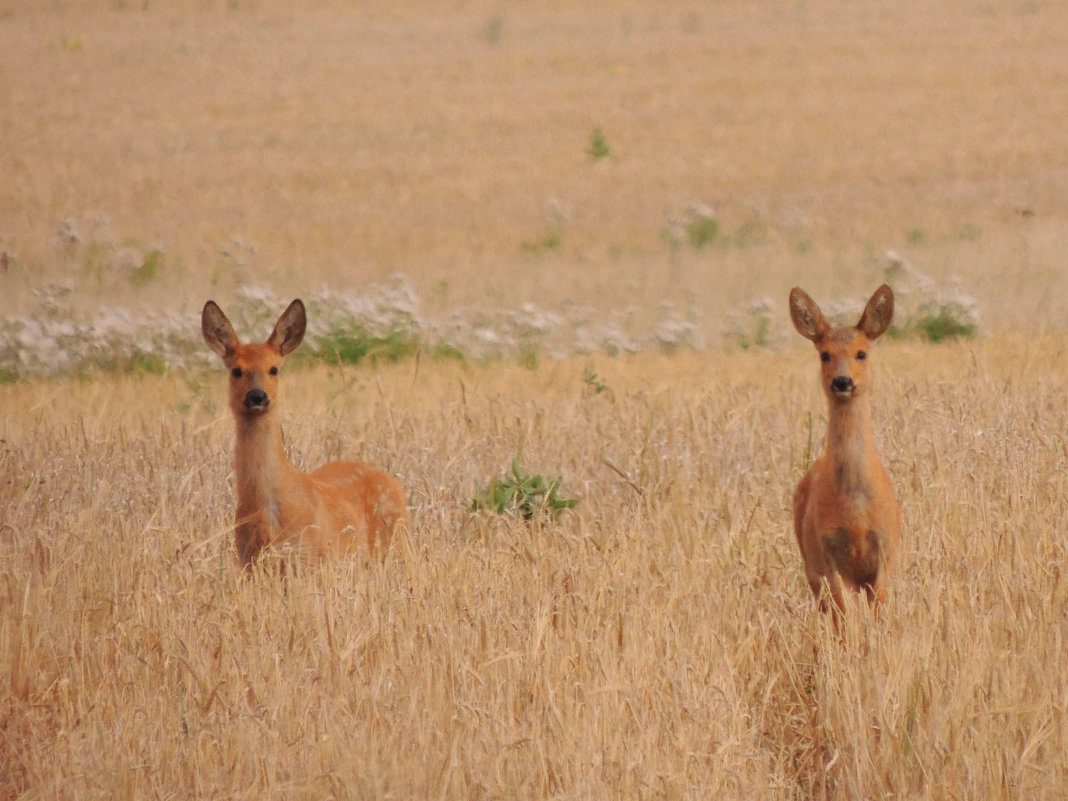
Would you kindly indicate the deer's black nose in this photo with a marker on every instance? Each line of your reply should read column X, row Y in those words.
column 256, row 399
column 842, row 384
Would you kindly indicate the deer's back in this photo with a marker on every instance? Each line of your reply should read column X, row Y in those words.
column 362, row 502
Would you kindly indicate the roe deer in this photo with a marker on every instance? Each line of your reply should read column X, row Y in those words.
column 325, row 512
column 846, row 518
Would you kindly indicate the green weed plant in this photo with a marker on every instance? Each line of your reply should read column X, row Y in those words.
column 526, row 495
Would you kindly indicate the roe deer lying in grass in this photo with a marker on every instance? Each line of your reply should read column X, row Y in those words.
column 329, row 511
column 846, row 517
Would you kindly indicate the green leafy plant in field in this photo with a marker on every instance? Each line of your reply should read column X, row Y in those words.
column 142, row 362
column 550, row 243
column 599, row 148
column 139, row 362
column 926, row 310
column 528, row 356
column 355, row 344
column 940, row 325
column 758, row 337
column 527, row 495
column 750, row 326
column 444, row 351
column 150, row 267
column 701, row 231
column 593, row 381
column 696, row 226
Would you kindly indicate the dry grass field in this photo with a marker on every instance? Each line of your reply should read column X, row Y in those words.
column 656, row 641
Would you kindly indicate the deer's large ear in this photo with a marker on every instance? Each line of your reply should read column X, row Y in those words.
column 289, row 330
column 878, row 313
column 806, row 315
column 218, row 332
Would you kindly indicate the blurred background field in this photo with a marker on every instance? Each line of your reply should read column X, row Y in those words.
column 561, row 235
column 654, row 160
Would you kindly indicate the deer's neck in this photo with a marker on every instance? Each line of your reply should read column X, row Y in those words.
column 261, row 464
column 850, row 445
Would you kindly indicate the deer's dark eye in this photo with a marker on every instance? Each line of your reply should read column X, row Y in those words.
column 825, row 356
column 273, row 371
column 236, row 372
column 861, row 355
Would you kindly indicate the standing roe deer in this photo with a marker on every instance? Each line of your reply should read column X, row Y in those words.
column 325, row 512
column 846, row 517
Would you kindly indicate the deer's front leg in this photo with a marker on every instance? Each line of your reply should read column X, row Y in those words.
column 251, row 535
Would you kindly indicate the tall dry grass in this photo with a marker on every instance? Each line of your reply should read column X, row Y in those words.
column 657, row 641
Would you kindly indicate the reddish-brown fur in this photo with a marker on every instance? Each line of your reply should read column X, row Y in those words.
column 846, row 516
column 330, row 511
